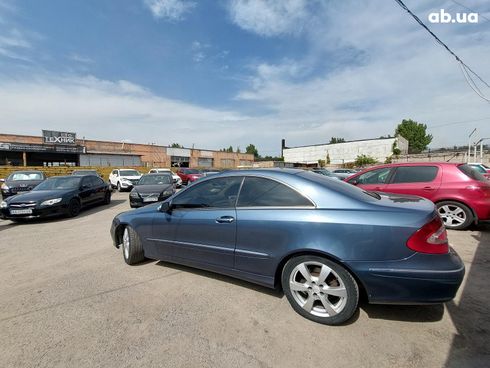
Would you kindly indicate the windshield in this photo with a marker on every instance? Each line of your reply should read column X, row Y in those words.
column 191, row 171
column 25, row 176
column 155, row 180
column 59, row 183
column 129, row 173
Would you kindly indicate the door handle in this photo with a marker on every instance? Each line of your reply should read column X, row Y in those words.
column 225, row 220
column 428, row 188
column 377, row 188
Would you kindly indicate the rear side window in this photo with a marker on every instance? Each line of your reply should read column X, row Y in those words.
column 414, row 174
column 472, row 173
column 262, row 192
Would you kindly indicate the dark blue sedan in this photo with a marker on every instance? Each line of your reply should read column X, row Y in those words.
column 322, row 241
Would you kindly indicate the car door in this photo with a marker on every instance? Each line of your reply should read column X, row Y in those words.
column 100, row 188
column 420, row 180
column 113, row 177
column 87, row 191
column 206, row 222
column 264, row 209
column 373, row 180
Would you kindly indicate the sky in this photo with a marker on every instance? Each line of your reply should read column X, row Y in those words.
column 211, row 74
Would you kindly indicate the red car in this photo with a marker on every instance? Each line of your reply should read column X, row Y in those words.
column 461, row 194
column 189, row 175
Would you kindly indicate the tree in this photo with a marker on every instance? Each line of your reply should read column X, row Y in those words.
column 416, row 135
column 176, row 145
column 238, row 149
column 334, row 140
column 252, row 150
column 363, row 160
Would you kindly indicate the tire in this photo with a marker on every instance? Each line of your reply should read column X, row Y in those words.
column 74, row 208
column 119, row 189
column 455, row 215
column 107, row 198
column 132, row 247
column 306, row 281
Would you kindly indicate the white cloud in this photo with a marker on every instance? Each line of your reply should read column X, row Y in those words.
column 364, row 73
column 102, row 109
column 169, row 9
column 270, row 17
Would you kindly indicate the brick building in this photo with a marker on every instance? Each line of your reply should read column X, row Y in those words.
column 63, row 148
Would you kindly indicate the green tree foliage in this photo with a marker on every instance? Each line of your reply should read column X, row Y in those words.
column 336, row 140
column 176, row 145
column 321, row 163
column 251, row 149
column 416, row 135
column 363, row 160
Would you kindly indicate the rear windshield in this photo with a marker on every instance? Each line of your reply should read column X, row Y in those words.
column 471, row 172
column 26, row 176
column 341, row 186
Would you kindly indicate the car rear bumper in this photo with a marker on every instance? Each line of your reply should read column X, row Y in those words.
column 419, row 279
column 482, row 209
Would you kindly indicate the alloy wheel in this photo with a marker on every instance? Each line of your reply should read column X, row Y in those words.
column 318, row 289
column 452, row 215
column 126, row 244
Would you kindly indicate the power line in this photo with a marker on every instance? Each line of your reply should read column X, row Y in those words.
column 471, row 10
column 463, row 65
column 458, row 122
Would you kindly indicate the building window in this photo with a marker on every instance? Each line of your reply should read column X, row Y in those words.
column 179, row 161
column 227, row 162
column 204, row 162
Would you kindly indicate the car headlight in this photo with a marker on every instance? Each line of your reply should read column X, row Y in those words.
column 5, row 187
column 50, row 202
column 134, row 194
column 3, row 204
column 167, row 193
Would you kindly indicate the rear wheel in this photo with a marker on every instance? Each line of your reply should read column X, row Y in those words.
column 320, row 289
column 74, row 207
column 119, row 189
column 132, row 247
column 455, row 215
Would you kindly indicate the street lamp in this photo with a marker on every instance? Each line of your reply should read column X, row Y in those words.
column 469, row 145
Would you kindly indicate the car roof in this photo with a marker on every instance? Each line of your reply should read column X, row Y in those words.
column 155, row 174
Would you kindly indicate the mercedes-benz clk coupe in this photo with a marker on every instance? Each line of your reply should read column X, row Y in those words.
column 322, row 241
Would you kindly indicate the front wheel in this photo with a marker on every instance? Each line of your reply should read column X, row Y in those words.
column 107, row 197
column 132, row 247
column 320, row 290
column 455, row 215
column 74, row 208
column 119, row 188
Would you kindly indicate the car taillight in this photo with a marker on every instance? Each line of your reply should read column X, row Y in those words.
column 430, row 238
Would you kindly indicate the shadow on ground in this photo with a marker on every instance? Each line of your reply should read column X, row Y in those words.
column 471, row 317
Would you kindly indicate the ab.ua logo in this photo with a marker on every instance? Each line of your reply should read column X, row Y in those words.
column 443, row 17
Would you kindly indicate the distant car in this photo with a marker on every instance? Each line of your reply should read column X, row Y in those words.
column 209, row 172
column 124, row 179
column 189, row 175
column 177, row 180
column 85, row 172
column 343, row 173
column 58, row 195
column 324, row 172
column 321, row 241
column 461, row 194
column 481, row 168
column 151, row 188
column 21, row 181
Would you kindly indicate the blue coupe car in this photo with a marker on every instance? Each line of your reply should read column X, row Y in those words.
column 323, row 241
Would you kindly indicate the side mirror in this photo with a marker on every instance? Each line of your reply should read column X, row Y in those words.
column 354, row 181
column 166, row 207
column 83, row 187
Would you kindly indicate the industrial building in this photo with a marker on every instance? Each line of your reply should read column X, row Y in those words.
column 342, row 153
column 55, row 148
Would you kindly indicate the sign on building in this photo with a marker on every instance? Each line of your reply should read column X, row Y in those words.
column 55, row 137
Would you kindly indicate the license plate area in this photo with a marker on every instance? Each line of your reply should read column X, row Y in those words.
column 26, row 211
column 150, row 199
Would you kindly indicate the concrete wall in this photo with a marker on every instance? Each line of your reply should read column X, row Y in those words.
column 448, row 156
column 340, row 153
